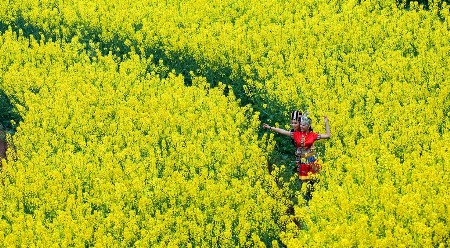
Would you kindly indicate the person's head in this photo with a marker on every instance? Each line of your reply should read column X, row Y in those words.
column 295, row 120
column 305, row 123
column 300, row 121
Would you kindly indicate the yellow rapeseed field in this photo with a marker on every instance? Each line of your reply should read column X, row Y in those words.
column 141, row 123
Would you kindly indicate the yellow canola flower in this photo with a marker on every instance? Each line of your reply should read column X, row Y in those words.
column 378, row 71
column 120, row 157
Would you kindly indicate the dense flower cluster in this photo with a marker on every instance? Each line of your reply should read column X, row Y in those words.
column 110, row 154
column 122, row 151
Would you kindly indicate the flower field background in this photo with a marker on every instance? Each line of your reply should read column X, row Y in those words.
column 138, row 123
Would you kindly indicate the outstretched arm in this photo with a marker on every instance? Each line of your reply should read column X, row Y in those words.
column 327, row 128
column 278, row 130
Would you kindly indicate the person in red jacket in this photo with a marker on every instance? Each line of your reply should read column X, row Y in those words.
column 303, row 139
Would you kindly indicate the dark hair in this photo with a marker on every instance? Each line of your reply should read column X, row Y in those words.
column 295, row 115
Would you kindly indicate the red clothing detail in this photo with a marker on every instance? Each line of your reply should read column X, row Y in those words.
column 305, row 169
column 310, row 137
column 306, row 166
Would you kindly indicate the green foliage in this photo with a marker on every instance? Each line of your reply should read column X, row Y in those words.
column 378, row 70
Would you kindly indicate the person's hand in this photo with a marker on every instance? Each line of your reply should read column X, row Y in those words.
column 266, row 126
column 325, row 119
